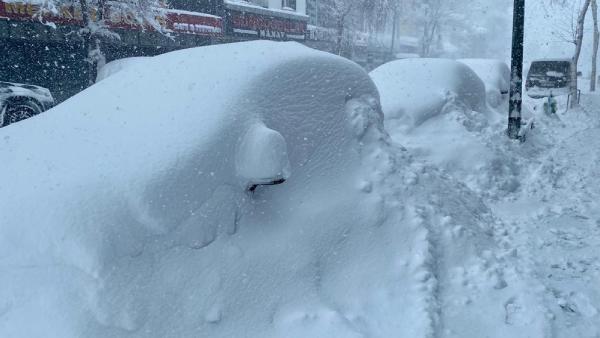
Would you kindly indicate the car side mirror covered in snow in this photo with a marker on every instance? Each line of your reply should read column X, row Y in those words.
column 262, row 157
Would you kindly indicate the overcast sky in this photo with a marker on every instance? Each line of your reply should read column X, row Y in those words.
column 545, row 28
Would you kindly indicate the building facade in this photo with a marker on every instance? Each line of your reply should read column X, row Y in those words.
column 48, row 51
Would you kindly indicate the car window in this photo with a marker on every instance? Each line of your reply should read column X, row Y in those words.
column 554, row 69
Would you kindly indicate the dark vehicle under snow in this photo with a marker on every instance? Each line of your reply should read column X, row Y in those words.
column 551, row 77
column 21, row 101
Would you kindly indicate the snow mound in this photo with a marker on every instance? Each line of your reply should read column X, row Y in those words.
column 128, row 214
column 141, row 169
column 116, row 66
column 495, row 74
column 457, row 133
column 415, row 90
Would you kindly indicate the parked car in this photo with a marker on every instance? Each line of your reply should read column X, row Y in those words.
column 495, row 74
column 191, row 140
column 549, row 77
column 22, row 101
column 413, row 91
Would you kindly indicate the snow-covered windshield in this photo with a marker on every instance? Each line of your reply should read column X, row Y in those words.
column 299, row 168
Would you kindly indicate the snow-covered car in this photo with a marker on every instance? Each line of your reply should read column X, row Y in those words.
column 549, row 77
column 244, row 189
column 437, row 109
column 415, row 90
column 21, row 101
column 495, row 74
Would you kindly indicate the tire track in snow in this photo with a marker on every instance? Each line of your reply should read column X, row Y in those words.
column 426, row 270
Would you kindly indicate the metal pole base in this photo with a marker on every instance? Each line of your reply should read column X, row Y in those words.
column 514, row 128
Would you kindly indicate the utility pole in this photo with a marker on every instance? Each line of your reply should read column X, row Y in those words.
column 516, row 71
column 394, row 23
column 317, row 13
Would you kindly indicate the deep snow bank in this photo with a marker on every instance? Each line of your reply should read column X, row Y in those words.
column 116, row 66
column 126, row 214
column 472, row 148
column 458, row 132
column 415, row 90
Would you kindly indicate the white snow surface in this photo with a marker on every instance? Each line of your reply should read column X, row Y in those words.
column 127, row 214
column 415, row 90
column 555, row 214
column 286, row 11
column 116, row 66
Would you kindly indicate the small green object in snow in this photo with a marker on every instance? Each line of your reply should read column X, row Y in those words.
column 550, row 106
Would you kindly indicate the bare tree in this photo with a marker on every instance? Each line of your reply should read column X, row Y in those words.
column 595, row 49
column 578, row 45
column 573, row 32
column 377, row 13
column 432, row 14
column 350, row 18
column 341, row 10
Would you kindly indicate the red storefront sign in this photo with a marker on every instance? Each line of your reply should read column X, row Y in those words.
column 194, row 23
column 172, row 20
column 267, row 26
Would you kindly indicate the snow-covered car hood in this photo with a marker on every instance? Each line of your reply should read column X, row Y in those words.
column 41, row 94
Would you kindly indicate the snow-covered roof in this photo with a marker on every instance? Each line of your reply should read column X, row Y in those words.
column 193, row 95
column 179, row 11
column 252, row 8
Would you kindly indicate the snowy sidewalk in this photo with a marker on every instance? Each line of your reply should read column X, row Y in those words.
column 545, row 196
column 557, row 217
